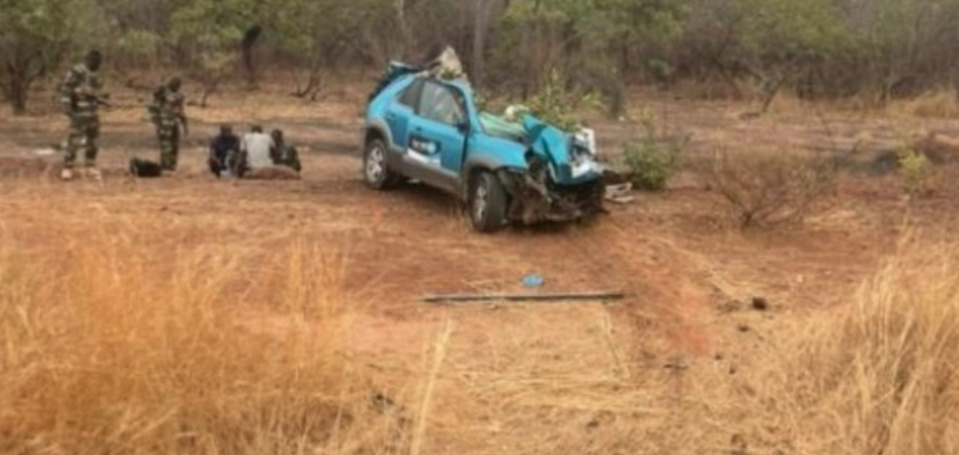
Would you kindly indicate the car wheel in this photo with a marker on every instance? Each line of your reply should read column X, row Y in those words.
column 376, row 171
column 487, row 203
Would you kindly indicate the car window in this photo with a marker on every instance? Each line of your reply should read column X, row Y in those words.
column 411, row 95
column 442, row 104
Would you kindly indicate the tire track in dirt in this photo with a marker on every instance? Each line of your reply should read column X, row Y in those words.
column 668, row 300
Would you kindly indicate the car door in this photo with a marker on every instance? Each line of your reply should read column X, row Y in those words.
column 436, row 135
column 401, row 112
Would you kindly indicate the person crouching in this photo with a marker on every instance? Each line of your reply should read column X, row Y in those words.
column 285, row 155
column 224, row 151
column 255, row 152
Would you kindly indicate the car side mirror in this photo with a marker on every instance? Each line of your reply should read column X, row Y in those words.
column 463, row 126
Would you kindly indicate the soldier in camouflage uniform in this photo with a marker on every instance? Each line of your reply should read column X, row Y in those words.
column 80, row 98
column 167, row 114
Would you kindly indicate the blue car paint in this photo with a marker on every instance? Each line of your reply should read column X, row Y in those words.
column 554, row 146
column 480, row 150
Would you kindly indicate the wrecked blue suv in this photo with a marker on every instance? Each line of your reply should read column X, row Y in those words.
column 429, row 129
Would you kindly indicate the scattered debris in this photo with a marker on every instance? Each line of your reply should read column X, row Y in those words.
column 620, row 193
column 730, row 306
column 760, row 304
column 600, row 419
column 743, row 328
column 45, row 152
column 468, row 298
column 383, row 403
column 678, row 363
column 533, row 281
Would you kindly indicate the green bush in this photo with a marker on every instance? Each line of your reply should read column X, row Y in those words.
column 915, row 171
column 653, row 161
column 557, row 104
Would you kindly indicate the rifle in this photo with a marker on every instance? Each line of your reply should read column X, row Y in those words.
column 103, row 100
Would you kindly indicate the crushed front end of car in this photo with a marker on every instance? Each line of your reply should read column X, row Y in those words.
column 563, row 180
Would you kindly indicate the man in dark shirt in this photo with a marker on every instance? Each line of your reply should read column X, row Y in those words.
column 283, row 154
column 224, row 151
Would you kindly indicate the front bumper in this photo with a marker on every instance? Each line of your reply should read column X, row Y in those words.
column 534, row 200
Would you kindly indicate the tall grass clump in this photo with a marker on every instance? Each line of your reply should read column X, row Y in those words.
column 123, row 343
column 938, row 104
column 882, row 375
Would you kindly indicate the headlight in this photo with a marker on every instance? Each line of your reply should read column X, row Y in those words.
column 586, row 139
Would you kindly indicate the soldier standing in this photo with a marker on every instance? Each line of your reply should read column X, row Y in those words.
column 80, row 98
column 167, row 113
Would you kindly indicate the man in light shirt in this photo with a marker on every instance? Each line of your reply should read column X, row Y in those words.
column 255, row 151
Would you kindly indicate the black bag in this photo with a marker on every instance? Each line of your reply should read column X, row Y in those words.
column 145, row 169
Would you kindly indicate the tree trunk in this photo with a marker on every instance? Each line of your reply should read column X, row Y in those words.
column 406, row 34
column 210, row 86
column 250, row 37
column 480, row 30
column 16, row 87
column 18, row 100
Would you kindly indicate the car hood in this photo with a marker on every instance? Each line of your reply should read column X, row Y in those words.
column 570, row 164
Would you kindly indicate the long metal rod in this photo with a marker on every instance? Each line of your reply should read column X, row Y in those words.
column 466, row 298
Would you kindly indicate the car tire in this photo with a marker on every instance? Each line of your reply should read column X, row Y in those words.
column 487, row 203
column 376, row 171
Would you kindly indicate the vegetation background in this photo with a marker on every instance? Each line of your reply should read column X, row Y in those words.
column 876, row 50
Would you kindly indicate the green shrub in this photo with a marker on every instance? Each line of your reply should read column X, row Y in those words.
column 915, row 171
column 556, row 104
column 652, row 160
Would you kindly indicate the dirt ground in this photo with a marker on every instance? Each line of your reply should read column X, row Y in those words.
column 584, row 372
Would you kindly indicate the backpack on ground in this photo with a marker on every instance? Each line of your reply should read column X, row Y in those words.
column 145, row 168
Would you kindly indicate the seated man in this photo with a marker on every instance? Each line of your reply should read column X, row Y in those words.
column 224, row 151
column 255, row 152
column 285, row 155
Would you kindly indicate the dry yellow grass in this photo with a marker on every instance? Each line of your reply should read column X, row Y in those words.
column 119, row 336
column 941, row 104
column 114, row 339
column 875, row 376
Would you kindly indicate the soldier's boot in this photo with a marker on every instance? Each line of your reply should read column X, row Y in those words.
column 74, row 142
column 90, row 169
column 175, row 156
